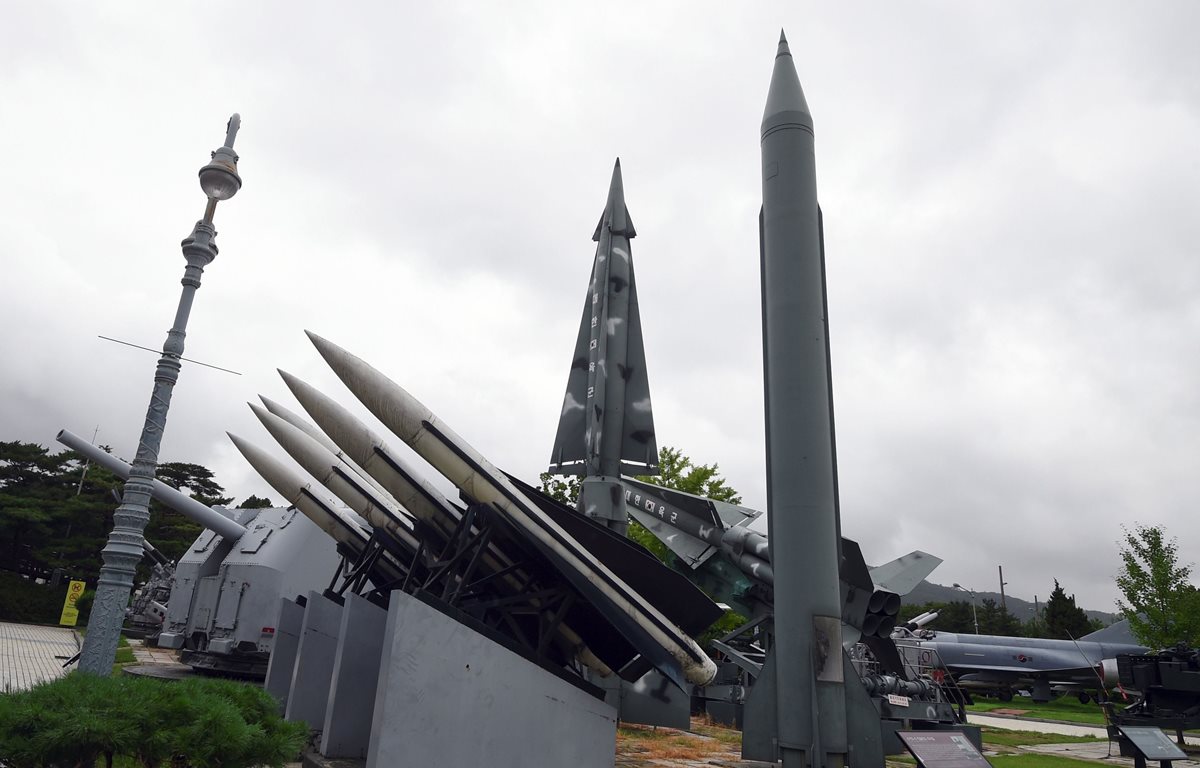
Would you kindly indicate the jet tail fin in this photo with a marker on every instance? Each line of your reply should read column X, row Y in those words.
column 904, row 573
column 639, row 449
column 1117, row 632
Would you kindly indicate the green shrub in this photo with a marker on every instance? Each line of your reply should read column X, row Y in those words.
column 25, row 602
column 199, row 722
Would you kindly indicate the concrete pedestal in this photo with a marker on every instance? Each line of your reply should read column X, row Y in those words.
column 283, row 651
column 348, row 716
column 451, row 696
column 311, row 676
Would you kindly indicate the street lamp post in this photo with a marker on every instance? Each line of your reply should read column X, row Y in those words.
column 974, row 615
column 220, row 181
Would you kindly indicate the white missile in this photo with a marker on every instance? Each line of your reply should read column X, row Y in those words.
column 360, row 444
column 291, row 417
column 313, row 503
column 416, row 425
column 339, row 478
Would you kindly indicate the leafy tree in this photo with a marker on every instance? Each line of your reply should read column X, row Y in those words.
column 194, row 478
column 254, row 502
column 1065, row 620
column 1162, row 607
column 54, row 515
column 677, row 471
column 565, row 488
column 995, row 619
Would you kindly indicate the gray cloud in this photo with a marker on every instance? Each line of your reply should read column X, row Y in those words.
column 1007, row 194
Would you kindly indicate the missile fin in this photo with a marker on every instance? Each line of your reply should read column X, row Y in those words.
column 639, row 449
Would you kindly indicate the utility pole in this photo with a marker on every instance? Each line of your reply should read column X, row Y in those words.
column 1003, row 604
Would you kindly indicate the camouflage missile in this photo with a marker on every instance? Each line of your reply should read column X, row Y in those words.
column 377, row 509
column 607, row 426
column 416, row 425
column 180, row 502
column 313, row 503
column 650, row 506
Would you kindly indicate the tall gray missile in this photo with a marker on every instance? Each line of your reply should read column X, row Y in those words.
column 606, row 426
column 801, row 470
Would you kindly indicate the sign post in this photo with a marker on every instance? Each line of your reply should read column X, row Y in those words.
column 70, row 614
column 942, row 749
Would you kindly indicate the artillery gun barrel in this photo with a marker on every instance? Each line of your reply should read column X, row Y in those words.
column 181, row 503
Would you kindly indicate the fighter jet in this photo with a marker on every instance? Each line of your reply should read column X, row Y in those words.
column 1002, row 665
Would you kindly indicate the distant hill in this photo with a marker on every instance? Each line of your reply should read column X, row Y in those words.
column 927, row 592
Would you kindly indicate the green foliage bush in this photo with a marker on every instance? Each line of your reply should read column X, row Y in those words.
column 81, row 719
column 26, row 602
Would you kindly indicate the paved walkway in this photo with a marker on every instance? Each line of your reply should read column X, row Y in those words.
column 29, row 654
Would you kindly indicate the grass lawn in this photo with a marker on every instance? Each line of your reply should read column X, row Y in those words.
column 1037, row 761
column 1066, row 708
column 996, row 737
column 642, row 742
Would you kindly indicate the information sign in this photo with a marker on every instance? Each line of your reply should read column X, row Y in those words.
column 943, row 749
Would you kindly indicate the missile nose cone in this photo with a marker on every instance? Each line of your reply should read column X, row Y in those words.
column 616, row 215
column 786, row 105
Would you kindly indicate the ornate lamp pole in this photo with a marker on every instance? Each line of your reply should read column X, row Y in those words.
column 974, row 615
column 220, row 181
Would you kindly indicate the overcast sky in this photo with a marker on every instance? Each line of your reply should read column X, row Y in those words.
column 1009, row 193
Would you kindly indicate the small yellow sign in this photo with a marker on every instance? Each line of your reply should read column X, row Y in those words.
column 70, row 614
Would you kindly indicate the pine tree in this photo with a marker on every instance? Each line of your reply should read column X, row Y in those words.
column 1065, row 620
